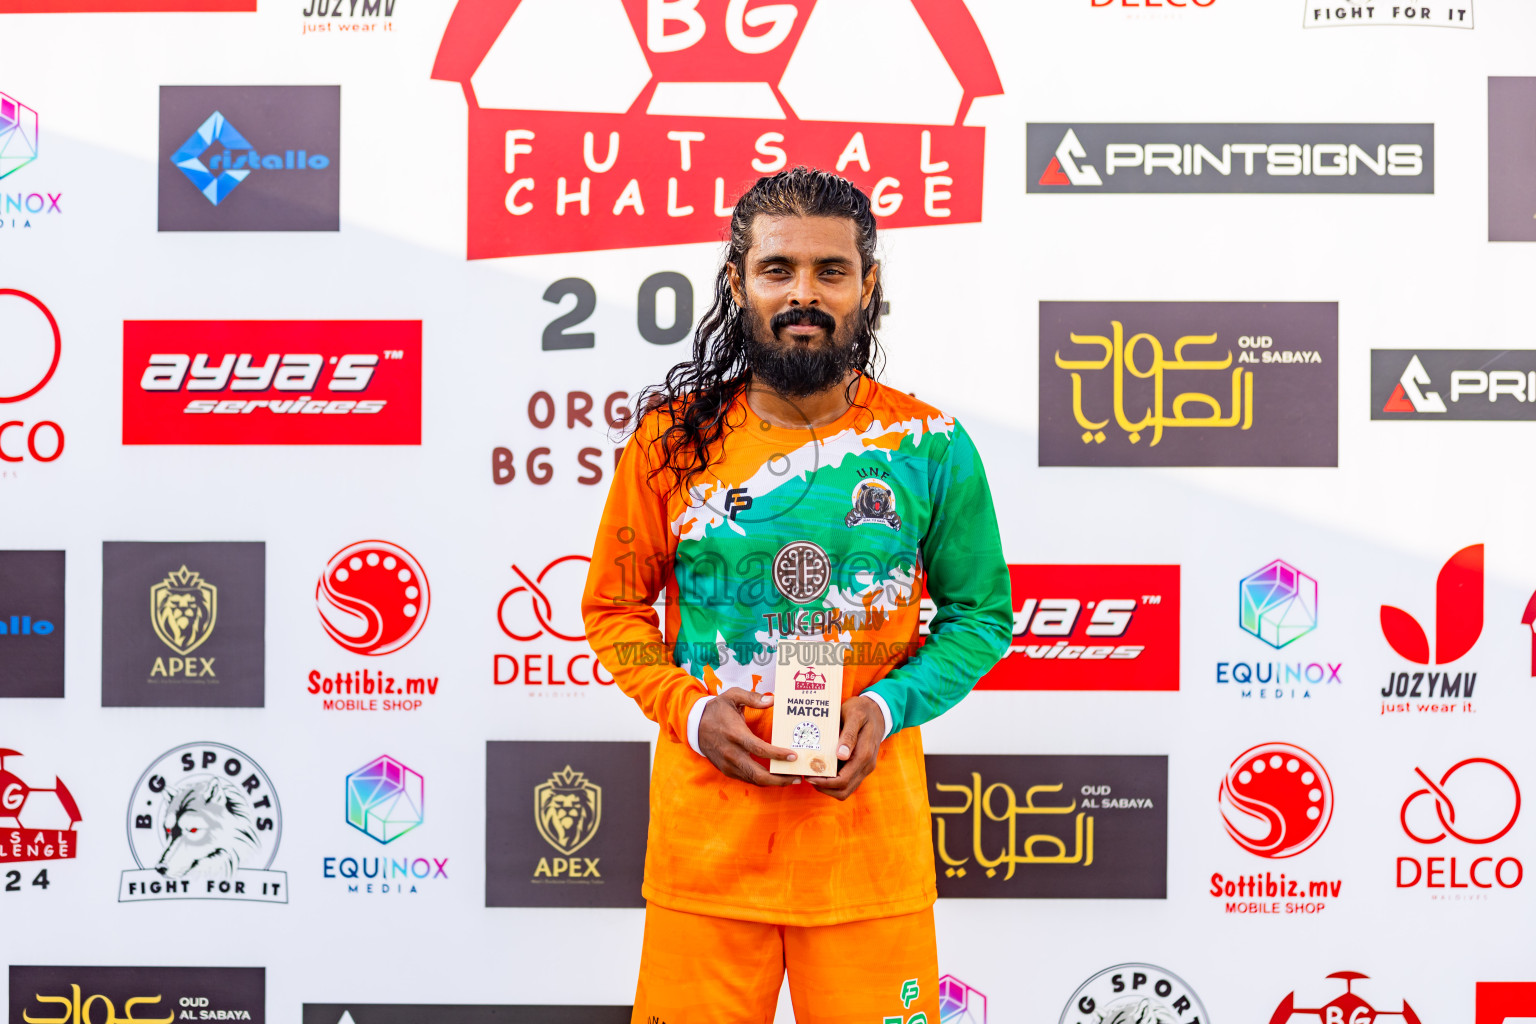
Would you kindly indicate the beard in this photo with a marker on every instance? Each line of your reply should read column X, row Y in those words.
column 797, row 369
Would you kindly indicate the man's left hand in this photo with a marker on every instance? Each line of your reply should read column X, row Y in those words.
column 858, row 747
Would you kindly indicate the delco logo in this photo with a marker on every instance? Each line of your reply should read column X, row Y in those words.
column 272, row 382
column 1089, row 627
column 624, row 126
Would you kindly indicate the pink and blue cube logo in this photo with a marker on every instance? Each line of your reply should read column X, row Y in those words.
column 959, row 1003
column 385, row 799
column 1278, row 604
column 18, row 135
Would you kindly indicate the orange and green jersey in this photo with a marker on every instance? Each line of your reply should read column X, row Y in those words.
column 827, row 534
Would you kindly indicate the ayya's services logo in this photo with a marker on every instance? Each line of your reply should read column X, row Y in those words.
column 615, row 127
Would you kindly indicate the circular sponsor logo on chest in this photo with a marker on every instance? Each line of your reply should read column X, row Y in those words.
column 802, row 571
column 1134, row 994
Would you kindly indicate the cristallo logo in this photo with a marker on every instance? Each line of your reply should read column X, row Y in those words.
column 634, row 122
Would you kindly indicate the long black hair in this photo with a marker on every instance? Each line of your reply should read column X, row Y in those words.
column 695, row 396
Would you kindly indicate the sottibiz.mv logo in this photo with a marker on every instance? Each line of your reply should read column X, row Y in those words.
column 1458, row 624
column 272, row 382
column 632, row 123
column 1090, row 627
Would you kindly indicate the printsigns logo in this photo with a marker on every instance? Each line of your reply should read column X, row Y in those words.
column 1453, row 384
column 74, row 995
column 1099, row 159
column 385, row 799
column 683, row 103
column 1346, row 1008
column 31, row 623
column 1089, row 627
column 1511, row 155
column 1278, row 604
column 199, row 638
column 1475, row 801
column 284, row 159
column 1050, row 826
column 18, row 135
column 1134, row 993
column 204, row 823
column 373, row 597
column 1266, row 374
column 36, row 824
column 28, row 361
column 1332, row 14
column 272, row 382
column 182, row 609
column 565, row 823
column 959, row 1003
column 567, row 810
column 1276, row 800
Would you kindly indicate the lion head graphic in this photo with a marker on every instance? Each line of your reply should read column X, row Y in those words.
column 206, row 827
column 567, row 810
column 183, row 607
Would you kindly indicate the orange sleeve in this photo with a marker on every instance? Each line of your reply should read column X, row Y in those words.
column 631, row 566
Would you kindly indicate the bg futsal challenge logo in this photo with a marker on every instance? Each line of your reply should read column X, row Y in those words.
column 620, row 130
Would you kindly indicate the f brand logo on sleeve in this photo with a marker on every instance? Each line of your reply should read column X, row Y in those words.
column 272, row 382
column 611, row 126
column 1458, row 613
column 1089, row 627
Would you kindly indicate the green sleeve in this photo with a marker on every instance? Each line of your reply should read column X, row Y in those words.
column 967, row 578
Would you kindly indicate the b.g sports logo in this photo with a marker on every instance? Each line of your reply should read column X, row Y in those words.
column 1090, row 627
column 272, row 382
column 616, row 127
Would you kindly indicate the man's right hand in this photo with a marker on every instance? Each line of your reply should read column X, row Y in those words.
column 731, row 747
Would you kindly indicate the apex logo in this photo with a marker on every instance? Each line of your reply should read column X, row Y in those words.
column 1408, row 397
column 1458, row 613
column 1063, row 168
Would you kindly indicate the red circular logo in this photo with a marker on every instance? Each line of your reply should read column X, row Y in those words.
column 373, row 598
column 1277, row 800
column 28, row 388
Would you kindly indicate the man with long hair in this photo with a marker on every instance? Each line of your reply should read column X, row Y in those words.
column 776, row 492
